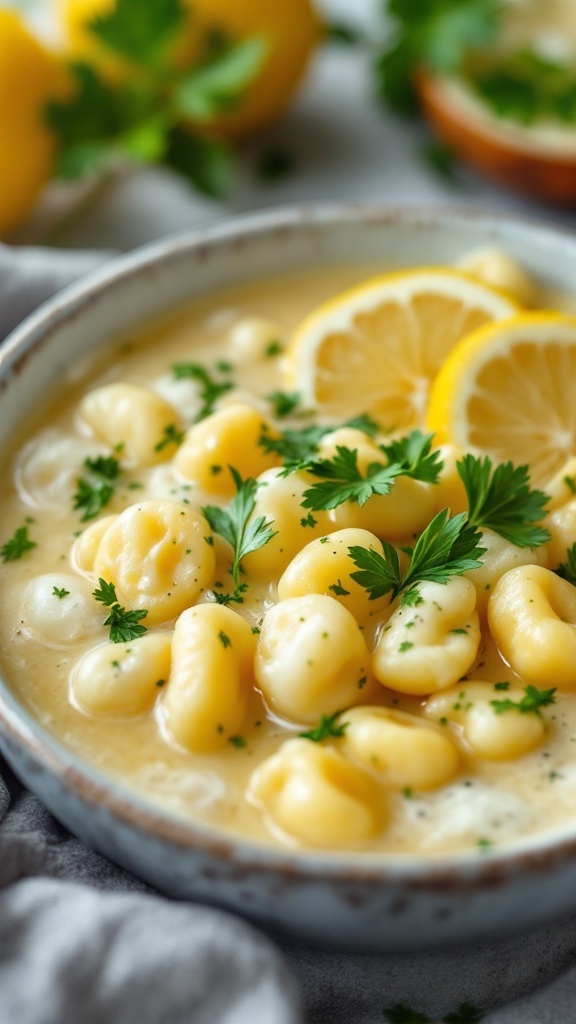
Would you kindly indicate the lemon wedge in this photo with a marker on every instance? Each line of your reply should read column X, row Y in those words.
column 377, row 347
column 508, row 391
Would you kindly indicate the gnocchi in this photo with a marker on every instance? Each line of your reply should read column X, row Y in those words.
column 304, row 651
column 311, row 658
column 160, row 557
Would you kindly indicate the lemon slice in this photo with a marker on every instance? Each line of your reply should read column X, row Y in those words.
column 377, row 347
column 509, row 391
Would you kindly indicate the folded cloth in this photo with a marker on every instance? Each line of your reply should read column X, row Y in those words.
column 84, row 942
column 30, row 276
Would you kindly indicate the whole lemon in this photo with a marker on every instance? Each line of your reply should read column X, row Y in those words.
column 29, row 77
column 292, row 29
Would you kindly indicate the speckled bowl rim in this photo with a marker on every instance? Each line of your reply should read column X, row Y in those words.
column 92, row 787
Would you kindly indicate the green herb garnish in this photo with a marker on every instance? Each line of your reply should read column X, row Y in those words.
column 210, row 388
column 171, row 435
column 434, row 34
column 60, row 592
column 17, row 546
column 283, row 402
column 447, row 547
column 96, row 487
column 502, row 500
column 530, row 703
column 328, row 728
column 414, row 455
column 124, row 625
column 341, row 480
column 137, row 116
column 234, row 524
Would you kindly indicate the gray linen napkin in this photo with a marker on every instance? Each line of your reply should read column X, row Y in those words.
column 84, row 942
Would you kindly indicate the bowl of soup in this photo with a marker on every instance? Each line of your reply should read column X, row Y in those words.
column 259, row 643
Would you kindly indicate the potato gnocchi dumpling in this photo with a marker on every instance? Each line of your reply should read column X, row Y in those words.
column 428, row 646
column 532, row 617
column 229, row 437
column 488, row 733
column 500, row 556
column 311, row 659
column 325, row 565
column 279, row 499
column 317, row 796
column 401, row 748
column 48, row 467
column 205, row 702
column 59, row 609
column 135, row 422
column 160, row 557
column 122, row 679
column 85, row 547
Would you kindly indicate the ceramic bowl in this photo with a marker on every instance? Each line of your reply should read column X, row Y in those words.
column 372, row 902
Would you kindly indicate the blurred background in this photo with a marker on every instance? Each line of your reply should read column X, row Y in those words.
column 125, row 121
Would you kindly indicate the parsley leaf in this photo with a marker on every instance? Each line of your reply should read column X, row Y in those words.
column 502, row 500
column 341, row 480
column 96, row 487
column 124, row 625
column 18, row 544
column 567, row 569
column 415, row 457
column 171, row 435
column 438, row 34
column 525, row 87
column 210, row 388
column 60, row 592
column 217, row 85
column 298, row 447
column 234, row 523
column 530, row 703
column 447, row 547
column 328, row 728
column 139, row 114
column 126, row 30
column 283, row 402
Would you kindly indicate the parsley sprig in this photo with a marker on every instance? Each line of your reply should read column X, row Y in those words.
column 501, row 499
column 18, row 544
column 96, row 487
column 436, row 34
column 341, row 480
column 210, row 388
column 235, row 526
column 530, row 703
column 138, row 115
column 328, row 728
column 449, row 546
column 415, row 457
column 124, row 625
column 525, row 87
column 297, row 448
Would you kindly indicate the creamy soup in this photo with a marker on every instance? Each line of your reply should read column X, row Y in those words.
column 268, row 695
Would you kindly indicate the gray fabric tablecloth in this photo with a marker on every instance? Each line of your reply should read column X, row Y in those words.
column 83, row 942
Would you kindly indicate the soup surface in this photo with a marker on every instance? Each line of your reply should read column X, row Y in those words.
column 250, row 684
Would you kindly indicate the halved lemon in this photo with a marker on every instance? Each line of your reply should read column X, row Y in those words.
column 377, row 347
column 509, row 391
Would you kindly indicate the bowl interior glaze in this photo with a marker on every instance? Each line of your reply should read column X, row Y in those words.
column 370, row 902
